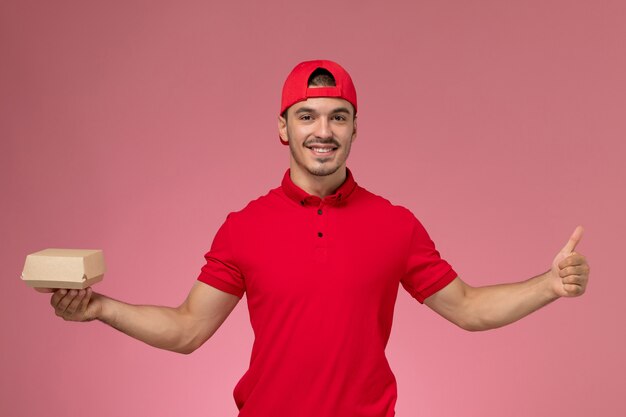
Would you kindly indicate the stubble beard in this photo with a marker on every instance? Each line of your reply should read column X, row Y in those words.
column 325, row 168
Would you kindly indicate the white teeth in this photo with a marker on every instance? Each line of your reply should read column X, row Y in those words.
column 322, row 150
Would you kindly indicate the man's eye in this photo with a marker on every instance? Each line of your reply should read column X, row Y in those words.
column 340, row 118
column 305, row 117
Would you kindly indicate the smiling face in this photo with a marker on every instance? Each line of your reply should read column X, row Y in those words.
column 320, row 132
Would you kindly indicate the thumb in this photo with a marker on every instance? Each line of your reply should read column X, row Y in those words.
column 573, row 240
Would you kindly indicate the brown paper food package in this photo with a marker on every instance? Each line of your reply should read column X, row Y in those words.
column 64, row 268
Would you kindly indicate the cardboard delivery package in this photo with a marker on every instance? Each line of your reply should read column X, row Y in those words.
column 64, row 268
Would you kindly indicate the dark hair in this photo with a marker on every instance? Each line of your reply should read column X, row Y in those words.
column 321, row 78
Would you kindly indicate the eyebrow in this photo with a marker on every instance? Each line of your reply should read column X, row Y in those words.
column 341, row 110
column 310, row 110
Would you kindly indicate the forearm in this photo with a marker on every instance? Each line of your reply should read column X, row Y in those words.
column 498, row 305
column 162, row 327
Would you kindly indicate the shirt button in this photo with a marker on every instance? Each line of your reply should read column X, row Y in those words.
column 302, row 202
column 319, row 211
column 320, row 234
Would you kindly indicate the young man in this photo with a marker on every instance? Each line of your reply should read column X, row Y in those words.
column 321, row 260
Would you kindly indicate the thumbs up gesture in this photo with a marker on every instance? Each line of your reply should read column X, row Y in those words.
column 570, row 271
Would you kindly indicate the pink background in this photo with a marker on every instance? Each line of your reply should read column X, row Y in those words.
column 135, row 127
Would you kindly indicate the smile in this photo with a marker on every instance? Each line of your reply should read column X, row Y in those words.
column 322, row 150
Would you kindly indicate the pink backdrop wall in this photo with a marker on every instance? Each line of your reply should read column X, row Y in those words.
column 135, row 127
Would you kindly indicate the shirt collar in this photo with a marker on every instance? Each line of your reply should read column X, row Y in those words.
column 303, row 198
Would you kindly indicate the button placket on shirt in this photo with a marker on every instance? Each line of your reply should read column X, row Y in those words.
column 322, row 214
column 317, row 211
column 320, row 220
column 321, row 232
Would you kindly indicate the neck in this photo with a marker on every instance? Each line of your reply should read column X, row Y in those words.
column 320, row 186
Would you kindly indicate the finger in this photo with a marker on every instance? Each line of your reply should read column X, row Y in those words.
column 75, row 304
column 85, row 302
column 573, row 289
column 573, row 260
column 574, row 279
column 574, row 270
column 57, row 297
column 62, row 305
column 573, row 240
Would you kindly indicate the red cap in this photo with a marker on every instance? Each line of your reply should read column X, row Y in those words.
column 296, row 87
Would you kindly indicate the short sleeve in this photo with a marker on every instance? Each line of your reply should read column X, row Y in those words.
column 426, row 273
column 220, row 270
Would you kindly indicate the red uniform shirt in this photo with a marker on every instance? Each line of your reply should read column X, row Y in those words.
column 321, row 277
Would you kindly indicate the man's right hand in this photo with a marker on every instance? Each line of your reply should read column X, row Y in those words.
column 75, row 305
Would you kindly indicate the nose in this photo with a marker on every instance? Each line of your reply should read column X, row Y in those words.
column 322, row 129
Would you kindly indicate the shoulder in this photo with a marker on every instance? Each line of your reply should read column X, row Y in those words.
column 259, row 207
column 375, row 202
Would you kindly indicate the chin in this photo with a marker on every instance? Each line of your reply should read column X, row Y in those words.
column 323, row 171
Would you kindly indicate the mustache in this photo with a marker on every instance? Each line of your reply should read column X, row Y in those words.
column 322, row 142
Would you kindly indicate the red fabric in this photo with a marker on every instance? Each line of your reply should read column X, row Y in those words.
column 321, row 290
column 296, row 87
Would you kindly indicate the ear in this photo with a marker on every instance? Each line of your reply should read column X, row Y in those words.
column 354, row 129
column 282, row 129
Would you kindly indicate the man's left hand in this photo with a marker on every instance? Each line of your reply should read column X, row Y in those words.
column 570, row 272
